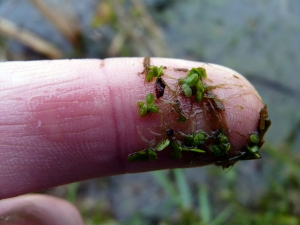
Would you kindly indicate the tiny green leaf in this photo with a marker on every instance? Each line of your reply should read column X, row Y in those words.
column 162, row 145
column 153, row 108
column 200, row 86
column 193, row 150
column 192, row 71
column 189, row 139
column 252, row 152
column 149, row 76
column 199, row 96
column 192, row 80
column 155, row 70
column 149, row 99
column 144, row 155
column 143, row 110
column 151, row 155
column 176, row 150
column 174, row 145
column 256, row 156
column 254, row 138
column 223, row 138
column 227, row 147
column 181, row 81
column 140, row 104
column 160, row 70
column 217, row 150
column 187, row 90
column 197, row 150
column 253, row 149
column 138, row 156
column 200, row 71
column 199, row 138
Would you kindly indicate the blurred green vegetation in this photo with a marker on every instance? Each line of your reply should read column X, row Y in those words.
column 259, row 39
column 195, row 204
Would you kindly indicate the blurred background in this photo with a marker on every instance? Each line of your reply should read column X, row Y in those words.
column 259, row 39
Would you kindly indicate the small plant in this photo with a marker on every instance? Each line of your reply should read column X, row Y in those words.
column 195, row 139
column 148, row 154
column 251, row 152
column 221, row 145
column 177, row 148
column 144, row 155
column 192, row 85
column 148, row 106
column 254, row 138
column 153, row 71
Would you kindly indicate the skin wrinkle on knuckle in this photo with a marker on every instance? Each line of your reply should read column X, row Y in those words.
column 115, row 131
column 122, row 91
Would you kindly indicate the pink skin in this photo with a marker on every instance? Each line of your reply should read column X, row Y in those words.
column 38, row 210
column 70, row 120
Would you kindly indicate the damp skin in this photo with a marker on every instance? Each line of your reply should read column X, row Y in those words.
column 196, row 91
column 69, row 120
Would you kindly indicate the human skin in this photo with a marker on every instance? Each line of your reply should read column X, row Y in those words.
column 38, row 209
column 70, row 120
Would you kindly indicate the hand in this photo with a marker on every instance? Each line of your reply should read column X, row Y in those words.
column 69, row 120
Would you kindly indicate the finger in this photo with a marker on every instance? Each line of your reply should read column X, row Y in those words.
column 38, row 209
column 69, row 120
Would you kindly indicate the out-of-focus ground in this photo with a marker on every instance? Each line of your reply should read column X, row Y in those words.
column 258, row 39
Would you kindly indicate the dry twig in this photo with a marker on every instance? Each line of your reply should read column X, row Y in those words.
column 29, row 39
